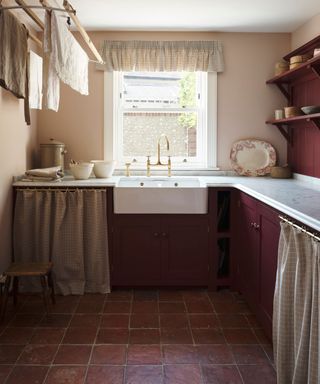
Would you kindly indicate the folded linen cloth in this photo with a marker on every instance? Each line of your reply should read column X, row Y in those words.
column 44, row 174
column 35, row 81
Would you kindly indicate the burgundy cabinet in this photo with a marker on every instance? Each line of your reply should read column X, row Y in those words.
column 258, row 237
column 136, row 253
column 160, row 250
column 185, row 250
column 268, row 233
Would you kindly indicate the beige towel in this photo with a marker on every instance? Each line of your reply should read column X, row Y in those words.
column 51, row 82
column 69, row 59
column 13, row 54
column 44, row 174
column 63, row 58
column 35, row 80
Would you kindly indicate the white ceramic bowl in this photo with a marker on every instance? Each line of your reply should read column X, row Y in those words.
column 81, row 171
column 103, row 169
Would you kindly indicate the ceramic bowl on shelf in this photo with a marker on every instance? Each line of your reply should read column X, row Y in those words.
column 103, row 169
column 81, row 171
column 310, row 109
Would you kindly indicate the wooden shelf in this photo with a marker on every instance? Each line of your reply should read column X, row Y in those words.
column 288, row 76
column 282, row 124
column 281, row 81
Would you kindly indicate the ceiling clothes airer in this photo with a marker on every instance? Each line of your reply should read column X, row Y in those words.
column 68, row 8
column 64, row 59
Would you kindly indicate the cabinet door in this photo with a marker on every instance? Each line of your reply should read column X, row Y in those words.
column 136, row 251
column 185, row 251
column 269, row 232
column 248, row 250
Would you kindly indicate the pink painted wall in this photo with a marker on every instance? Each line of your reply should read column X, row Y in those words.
column 18, row 143
column 306, row 32
column 18, row 147
column 244, row 100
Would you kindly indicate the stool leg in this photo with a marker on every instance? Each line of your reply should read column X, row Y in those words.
column 51, row 285
column 44, row 292
column 15, row 289
column 5, row 297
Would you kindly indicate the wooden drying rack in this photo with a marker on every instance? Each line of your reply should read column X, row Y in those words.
column 68, row 9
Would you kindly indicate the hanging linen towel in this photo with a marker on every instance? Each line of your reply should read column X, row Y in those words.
column 35, row 80
column 13, row 54
column 69, row 59
column 64, row 60
column 51, row 82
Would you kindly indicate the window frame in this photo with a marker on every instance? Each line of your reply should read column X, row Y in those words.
column 209, row 142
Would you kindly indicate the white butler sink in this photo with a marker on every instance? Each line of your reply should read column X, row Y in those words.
column 160, row 195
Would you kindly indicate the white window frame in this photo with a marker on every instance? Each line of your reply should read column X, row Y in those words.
column 111, row 121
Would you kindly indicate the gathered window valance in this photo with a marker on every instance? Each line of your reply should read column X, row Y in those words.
column 206, row 56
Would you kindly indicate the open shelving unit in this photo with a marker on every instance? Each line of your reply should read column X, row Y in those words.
column 287, row 81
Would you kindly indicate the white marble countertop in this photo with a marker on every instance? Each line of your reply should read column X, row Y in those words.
column 295, row 198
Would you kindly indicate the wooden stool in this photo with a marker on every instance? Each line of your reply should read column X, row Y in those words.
column 16, row 270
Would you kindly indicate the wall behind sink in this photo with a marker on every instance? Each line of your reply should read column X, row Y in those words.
column 244, row 100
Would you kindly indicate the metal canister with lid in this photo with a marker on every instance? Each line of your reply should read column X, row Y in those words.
column 52, row 154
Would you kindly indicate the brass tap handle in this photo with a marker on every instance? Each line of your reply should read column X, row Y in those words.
column 127, row 169
column 148, row 166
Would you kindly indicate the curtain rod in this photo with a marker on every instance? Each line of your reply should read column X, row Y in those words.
column 59, row 189
column 302, row 229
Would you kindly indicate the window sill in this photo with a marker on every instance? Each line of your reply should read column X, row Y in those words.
column 175, row 172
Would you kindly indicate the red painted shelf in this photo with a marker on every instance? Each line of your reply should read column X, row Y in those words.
column 293, row 74
column 312, row 117
column 281, row 124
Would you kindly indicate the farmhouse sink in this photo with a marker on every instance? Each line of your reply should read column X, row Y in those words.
column 162, row 195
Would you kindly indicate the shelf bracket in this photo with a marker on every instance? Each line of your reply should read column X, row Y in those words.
column 285, row 132
column 316, row 122
column 283, row 90
column 316, row 71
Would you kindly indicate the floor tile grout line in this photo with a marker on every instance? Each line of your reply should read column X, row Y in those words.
column 93, row 344
column 239, row 372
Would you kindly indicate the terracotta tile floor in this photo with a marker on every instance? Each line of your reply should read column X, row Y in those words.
column 135, row 337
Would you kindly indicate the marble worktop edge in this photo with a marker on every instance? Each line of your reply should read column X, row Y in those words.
column 294, row 197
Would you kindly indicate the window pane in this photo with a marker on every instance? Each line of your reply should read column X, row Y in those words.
column 141, row 131
column 159, row 90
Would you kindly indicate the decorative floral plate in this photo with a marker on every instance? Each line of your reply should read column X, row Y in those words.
column 252, row 157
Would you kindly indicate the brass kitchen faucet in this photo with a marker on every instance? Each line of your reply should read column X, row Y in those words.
column 159, row 163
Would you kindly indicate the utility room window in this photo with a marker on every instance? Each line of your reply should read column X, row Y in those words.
column 147, row 105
